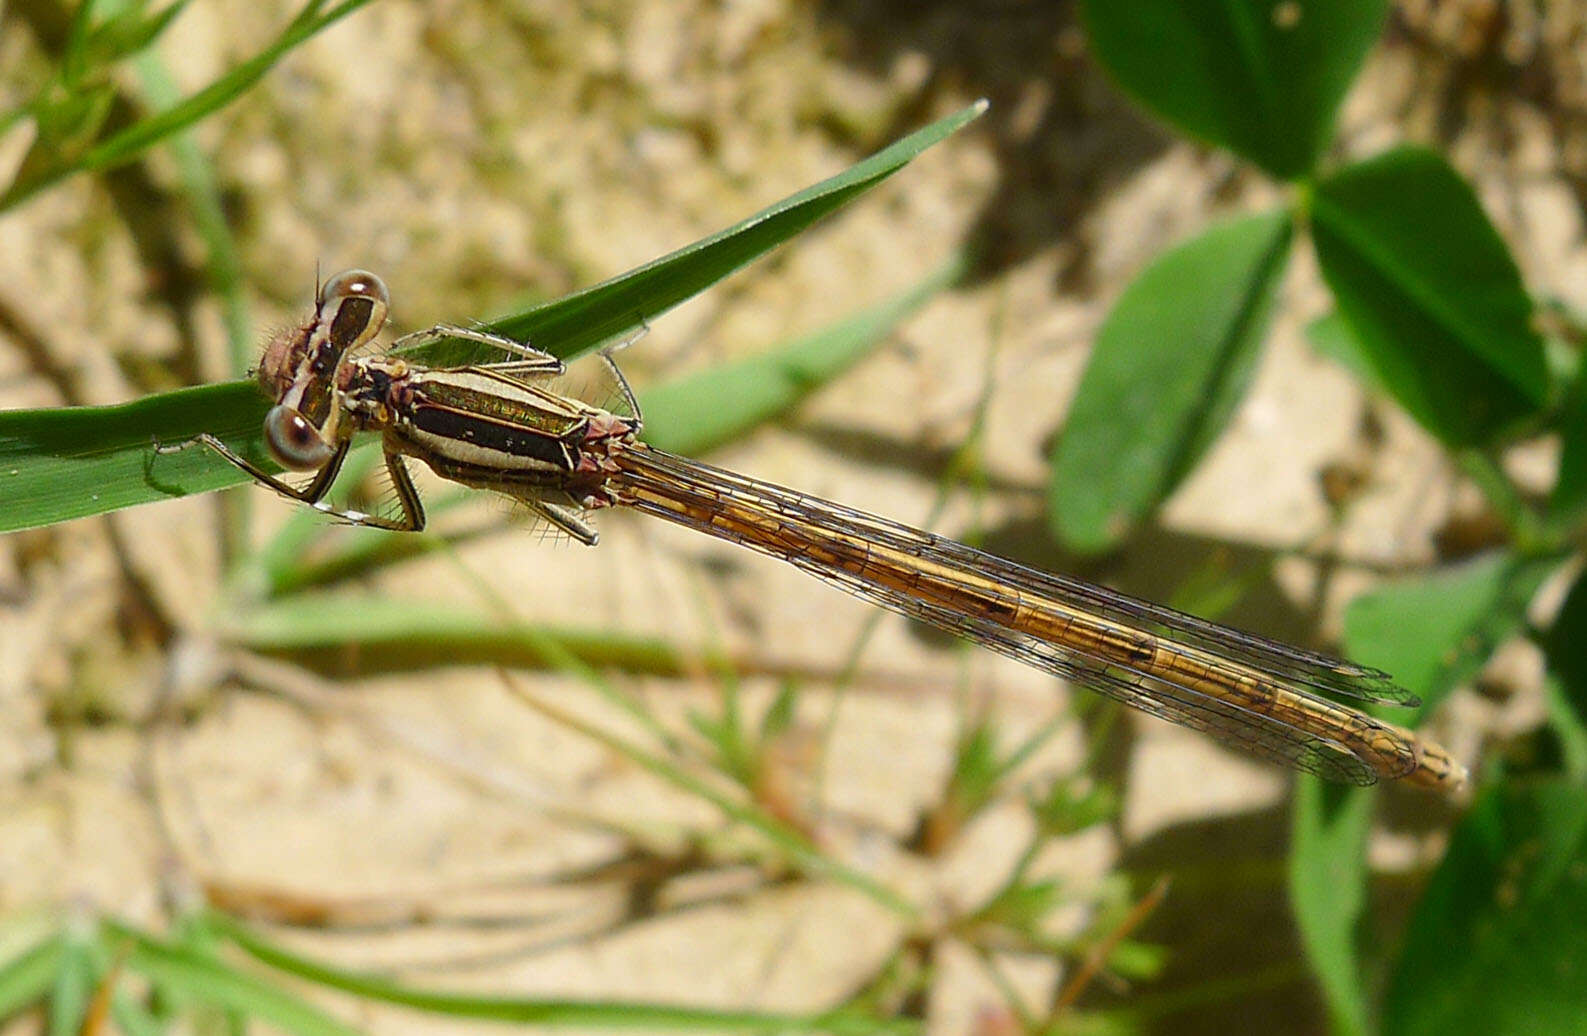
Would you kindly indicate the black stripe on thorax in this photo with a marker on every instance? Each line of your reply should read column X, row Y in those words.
column 506, row 437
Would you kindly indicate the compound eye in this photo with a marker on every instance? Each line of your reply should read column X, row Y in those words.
column 295, row 443
column 353, row 306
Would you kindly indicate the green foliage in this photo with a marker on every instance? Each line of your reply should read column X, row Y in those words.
column 26, row 977
column 1432, row 313
column 1169, row 366
column 1260, row 78
column 1328, row 888
column 65, row 463
column 1462, row 613
column 1431, row 293
column 192, row 975
column 70, row 112
column 1566, row 650
column 724, row 402
column 527, row 1011
column 1569, row 500
column 1496, row 943
column 59, row 464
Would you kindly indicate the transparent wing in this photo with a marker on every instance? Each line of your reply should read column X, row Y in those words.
column 1219, row 686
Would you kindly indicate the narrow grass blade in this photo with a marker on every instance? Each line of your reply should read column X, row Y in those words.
column 76, row 974
column 549, row 1012
column 68, row 463
column 123, row 147
column 579, row 322
column 25, row 978
column 199, row 979
column 722, row 404
column 405, row 634
column 223, row 263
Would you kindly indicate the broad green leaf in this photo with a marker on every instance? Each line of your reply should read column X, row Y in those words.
column 1333, row 337
column 1434, row 632
column 547, row 1012
column 1327, row 888
column 1496, row 945
column 1171, row 362
column 71, row 462
column 1566, row 650
column 1431, row 294
column 1261, row 78
column 1569, row 498
column 721, row 404
column 198, row 978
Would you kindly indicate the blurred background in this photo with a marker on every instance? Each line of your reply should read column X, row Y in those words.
column 329, row 759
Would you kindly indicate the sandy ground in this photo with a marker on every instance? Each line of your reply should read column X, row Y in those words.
column 478, row 155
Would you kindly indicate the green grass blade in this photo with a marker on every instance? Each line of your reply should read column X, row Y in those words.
column 69, row 463
column 585, row 319
column 76, row 975
column 398, row 633
column 200, row 979
column 74, row 60
column 721, row 404
column 123, row 147
column 528, row 1011
column 223, row 263
column 131, row 31
column 25, row 978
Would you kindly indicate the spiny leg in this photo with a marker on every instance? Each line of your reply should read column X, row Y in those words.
column 531, row 360
column 313, row 494
column 566, row 519
column 309, row 494
column 412, row 519
column 622, row 382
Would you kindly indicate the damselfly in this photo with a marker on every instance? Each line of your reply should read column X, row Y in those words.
column 499, row 426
